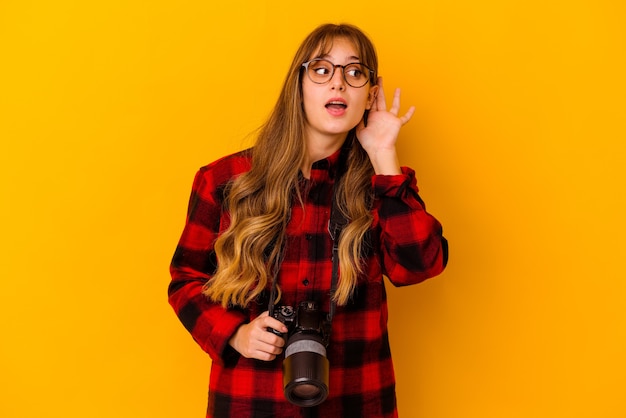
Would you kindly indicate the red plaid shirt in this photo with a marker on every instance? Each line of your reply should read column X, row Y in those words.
column 405, row 244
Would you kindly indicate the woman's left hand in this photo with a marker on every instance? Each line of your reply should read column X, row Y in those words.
column 379, row 137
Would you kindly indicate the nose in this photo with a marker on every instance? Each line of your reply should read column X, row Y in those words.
column 337, row 81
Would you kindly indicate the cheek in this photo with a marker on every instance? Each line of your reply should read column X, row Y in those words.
column 307, row 106
column 308, row 97
column 369, row 99
column 363, row 102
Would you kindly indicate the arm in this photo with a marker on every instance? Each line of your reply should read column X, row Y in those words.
column 411, row 241
column 221, row 332
column 194, row 261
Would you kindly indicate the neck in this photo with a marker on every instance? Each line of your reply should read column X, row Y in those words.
column 320, row 147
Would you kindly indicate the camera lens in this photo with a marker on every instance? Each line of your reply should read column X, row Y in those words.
column 306, row 391
column 305, row 370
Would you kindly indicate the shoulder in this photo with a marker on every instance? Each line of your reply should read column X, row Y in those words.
column 224, row 169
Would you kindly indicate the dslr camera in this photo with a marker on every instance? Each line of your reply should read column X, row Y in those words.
column 305, row 367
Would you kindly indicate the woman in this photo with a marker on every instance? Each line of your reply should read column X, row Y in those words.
column 257, row 236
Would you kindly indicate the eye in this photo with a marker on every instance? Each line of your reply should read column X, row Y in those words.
column 354, row 71
column 321, row 70
column 321, row 67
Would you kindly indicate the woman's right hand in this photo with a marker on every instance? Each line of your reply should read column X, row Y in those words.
column 253, row 340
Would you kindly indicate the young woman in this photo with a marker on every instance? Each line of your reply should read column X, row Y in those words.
column 257, row 236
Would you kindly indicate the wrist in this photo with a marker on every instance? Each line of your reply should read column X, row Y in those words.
column 233, row 339
column 385, row 161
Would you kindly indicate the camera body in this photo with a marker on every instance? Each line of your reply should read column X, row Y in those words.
column 305, row 367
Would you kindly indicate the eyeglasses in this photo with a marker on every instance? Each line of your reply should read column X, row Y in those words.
column 321, row 71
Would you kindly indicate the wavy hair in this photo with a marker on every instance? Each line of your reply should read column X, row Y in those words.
column 259, row 201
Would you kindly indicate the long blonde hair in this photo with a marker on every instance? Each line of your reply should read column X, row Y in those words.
column 259, row 201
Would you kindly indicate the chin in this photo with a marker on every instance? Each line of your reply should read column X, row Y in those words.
column 342, row 127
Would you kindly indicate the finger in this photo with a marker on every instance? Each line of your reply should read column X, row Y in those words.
column 395, row 104
column 268, row 348
column 273, row 323
column 270, row 338
column 408, row 115
column 264, row 345
column 261, row 354
column 265, row 321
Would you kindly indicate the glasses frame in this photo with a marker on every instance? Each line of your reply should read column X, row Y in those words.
column 305, row 65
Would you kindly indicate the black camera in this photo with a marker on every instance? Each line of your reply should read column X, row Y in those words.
column 305, row 368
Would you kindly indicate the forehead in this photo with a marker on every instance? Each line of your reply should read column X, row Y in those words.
column 337, row 49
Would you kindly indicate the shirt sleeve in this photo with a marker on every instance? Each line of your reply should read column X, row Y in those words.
column 194, row 261
column 412, row 244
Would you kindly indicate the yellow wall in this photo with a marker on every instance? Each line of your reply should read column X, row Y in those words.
column 107, row 108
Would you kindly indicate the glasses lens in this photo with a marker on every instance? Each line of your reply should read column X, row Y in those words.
column 356, row 75
column 320, row 71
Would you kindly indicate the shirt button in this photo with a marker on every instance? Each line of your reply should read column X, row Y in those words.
column 305, row 282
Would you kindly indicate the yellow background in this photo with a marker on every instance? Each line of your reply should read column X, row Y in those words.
column 107, row 108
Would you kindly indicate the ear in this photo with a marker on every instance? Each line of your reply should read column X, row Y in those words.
column 371, row 97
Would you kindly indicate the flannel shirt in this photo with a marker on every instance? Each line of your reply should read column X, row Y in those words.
column 405, row 243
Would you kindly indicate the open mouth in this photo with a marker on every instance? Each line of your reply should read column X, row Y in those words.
column 336, row 105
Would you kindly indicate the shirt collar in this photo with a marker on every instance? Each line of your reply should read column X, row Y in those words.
column 326, row 167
